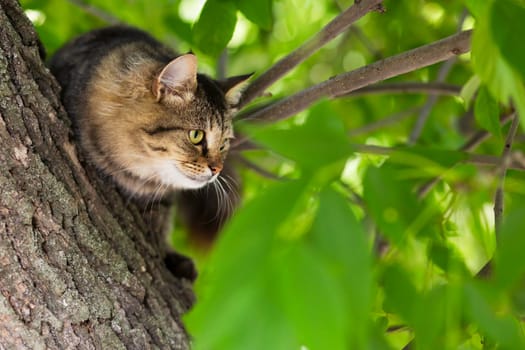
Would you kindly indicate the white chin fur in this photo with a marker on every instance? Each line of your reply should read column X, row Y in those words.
column 170, row 175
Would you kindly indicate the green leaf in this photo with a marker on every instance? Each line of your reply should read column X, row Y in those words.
column 493, row 69
column 320, row 141
column 214, row 28
column 508, row 28
column 340, row 239
column 312, row 299
column 510, row 265
column 401, row 296
column 428, row 329
column 469, row 90
column 447, row 258
column 502, row 329
column 257, row 11
column 391, row 201
column 239, row 276
column 486, row 111
column 476, row 7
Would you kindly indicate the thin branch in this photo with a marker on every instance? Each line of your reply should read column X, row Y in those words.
column 431, row 101
column 329, row 32
column 486, row 271
column 96, row 12
column 390, row 67
column 358, row 33
column 477, row 139
column 393, row 119
column 366, row 42
column 436, row 88
column 471, row 158
column 242, row 143
column 505, row 163
column 353, row 196
column 263, row 172
column 383, row 88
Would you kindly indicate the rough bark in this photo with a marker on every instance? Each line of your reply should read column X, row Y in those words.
column 79, row 267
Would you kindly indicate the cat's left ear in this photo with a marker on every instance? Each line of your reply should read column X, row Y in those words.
column 177, row 80
column 233, row 88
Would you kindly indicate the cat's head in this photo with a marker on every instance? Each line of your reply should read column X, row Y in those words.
column 188, row 140
column 169, row 126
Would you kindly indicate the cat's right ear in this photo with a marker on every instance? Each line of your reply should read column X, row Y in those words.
column 177, row 81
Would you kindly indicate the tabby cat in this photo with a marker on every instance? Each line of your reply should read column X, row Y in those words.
column 144, row 116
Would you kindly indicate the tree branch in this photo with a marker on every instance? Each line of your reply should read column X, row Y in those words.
column 437, row 88
column 344, row 83
column 329, row 32
column 477, row 159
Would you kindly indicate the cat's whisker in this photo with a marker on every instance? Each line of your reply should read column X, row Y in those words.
column 232, row 185
column 218, row 195
column 225, row 207
column 233, row 196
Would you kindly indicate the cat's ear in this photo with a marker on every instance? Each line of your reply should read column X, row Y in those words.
column 177, row 80
column 234, row 87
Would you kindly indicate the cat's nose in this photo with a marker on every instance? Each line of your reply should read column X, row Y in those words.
column 215, row 169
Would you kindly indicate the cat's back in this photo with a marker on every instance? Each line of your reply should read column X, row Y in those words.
column 74, row 64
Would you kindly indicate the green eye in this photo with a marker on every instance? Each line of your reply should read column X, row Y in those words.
column 196, row 136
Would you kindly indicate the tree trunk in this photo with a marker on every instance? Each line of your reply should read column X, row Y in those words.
column 79, row 266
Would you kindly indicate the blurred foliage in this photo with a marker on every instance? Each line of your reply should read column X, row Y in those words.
column 344, row 254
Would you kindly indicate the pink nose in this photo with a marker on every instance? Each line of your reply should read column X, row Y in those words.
column 215, row 169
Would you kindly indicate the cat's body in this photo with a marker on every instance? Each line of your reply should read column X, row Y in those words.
column 141, row 113
column 145, row 119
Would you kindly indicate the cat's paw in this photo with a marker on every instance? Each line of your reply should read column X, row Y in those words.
column 181, row 266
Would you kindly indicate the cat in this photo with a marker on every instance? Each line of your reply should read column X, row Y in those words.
column 141, row 113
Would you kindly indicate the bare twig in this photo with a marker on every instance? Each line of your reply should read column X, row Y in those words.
column 366, row 42
column 353, row 196
column 381, row 70
column 394, row 118
column 431, row 101
column 384, row 88
column 477, row 139
column 263, row 172
column 96, row 12
column 477, row 159
column 358, row 33
column 242, row 143
column 329, row 32
column 505, row 163
column 437, row 88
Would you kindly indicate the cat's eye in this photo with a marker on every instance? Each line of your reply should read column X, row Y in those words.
column 196, row 136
